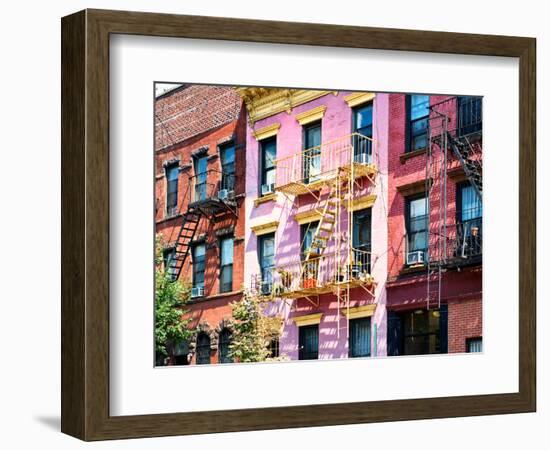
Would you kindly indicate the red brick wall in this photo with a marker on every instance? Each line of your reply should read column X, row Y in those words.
column 465, row 321
column 187, row 120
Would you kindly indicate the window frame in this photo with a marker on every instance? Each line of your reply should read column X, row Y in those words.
column 194, row 259
column 261, row 240
column 408, row 200
column 166, row 260
column 223, row 267
column 263, row 170
column 351, row 340
column 171, row 210
column 206, row 347
column 306, row 145
column 227, row 178
column 304, row 228
column 409, row 121
column 224, row 333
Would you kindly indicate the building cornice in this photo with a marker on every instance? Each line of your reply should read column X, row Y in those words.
column 264, row 102
column 309, row 319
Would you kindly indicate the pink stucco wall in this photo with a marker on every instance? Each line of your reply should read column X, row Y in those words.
column 337, row 122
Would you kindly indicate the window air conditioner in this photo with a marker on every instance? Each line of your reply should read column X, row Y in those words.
column 266, row 287
column 362, row 158
column 197, row 292
column 268, row 188
column 415, row 258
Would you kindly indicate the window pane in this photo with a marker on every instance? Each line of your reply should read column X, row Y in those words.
column 420, row 106
column 471, row 203
column 421, row 332
column 359, row 335
column 307, row 232
column 363, row 120
column 223, row 346
column 203, row 349
column 474, row 345
column 269, row 154
column 227, row 251
column 362, row 229
column 199, row 259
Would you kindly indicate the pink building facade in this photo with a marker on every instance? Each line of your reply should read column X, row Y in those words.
column 350, row 321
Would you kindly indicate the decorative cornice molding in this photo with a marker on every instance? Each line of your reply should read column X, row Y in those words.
column 361, row 203
column 265, row 228
column 264, row 102
column 307, row 216
column 266, row 198
column 416, row 187
column 309, row 319
column 266, row 132
column 359, row 311
column 312, row 115
column 358, row 98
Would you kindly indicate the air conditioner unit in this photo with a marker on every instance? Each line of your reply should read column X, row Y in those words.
column 415, row 258
column 223, row 194
column 268, row 188
column 266, row 287
column 197, row 292
column 363, row 158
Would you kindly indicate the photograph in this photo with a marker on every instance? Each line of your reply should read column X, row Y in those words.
column 305, row 224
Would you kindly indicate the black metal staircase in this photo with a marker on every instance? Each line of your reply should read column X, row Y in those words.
column 469, row 157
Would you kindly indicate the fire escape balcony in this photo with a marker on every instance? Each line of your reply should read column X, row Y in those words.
column 310, row 170
column 212, row 192
column 316, row 276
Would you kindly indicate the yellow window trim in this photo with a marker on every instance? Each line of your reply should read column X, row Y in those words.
column 361, row 203
column 312, row 115
column 307, row 217
column 266, row 198
column 268, row 131
column 265, row 228
column 359, row 311
column 358, row 98
column 309, row 319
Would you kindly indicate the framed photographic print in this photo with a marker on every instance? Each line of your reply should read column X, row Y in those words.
column 273, row 225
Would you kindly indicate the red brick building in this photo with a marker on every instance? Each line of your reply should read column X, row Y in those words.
column 200, row 135
column 434, row 287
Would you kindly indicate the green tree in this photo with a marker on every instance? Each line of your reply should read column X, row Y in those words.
column 252, row 330
column 170, row 298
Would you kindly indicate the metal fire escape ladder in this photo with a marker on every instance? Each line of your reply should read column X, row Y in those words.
column 470, row 160
column 190, row 223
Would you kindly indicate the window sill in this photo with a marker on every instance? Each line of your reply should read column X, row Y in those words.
column 266, row 198
column 214, row 297
column 403, row 157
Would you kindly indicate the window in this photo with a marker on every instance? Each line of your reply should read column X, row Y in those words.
column 474, row 345
column 418, row 113
column 273, row 348
column 168, row 255
column 417, row 225
column 181, row 350
column 199, row 259
column 223, row 346
column 203, row 348
column 267, row 261
column 362, row 240
column 359, row 337
column 307, row 231
column 268, row 150
column 201, row 163
column 311, row 157
column 227, row 156
column 362, row 124
column 172, row 175
column 469, row 221
column 308, row 342
column 422, row 332
column 226, row 265
column 469, row 115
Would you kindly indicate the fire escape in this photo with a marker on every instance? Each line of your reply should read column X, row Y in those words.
column 333, row 174
column 209, row 195
column 454, row 141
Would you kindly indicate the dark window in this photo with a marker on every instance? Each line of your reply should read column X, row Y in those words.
column 469, row 221
column 307, row 231
column 168, row 256
column 267, row 261
column 203, row 349
column 226, row 264
column 172, row 175
column 474, row 345
column 223, row 346
column 422, row 332
column 199, row 259
column 362, row 240
column 227, row 156
column 417, row 225
column 418, row 107
column 181, row 351
column 201, row 191
column 308, row 342
column 469, row 115
column 311, row 157
column 268, row 153
column 359, row 337
column 362, row 124
column 273, row 348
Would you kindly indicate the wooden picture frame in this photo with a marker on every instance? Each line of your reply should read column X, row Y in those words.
column 85, row 224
